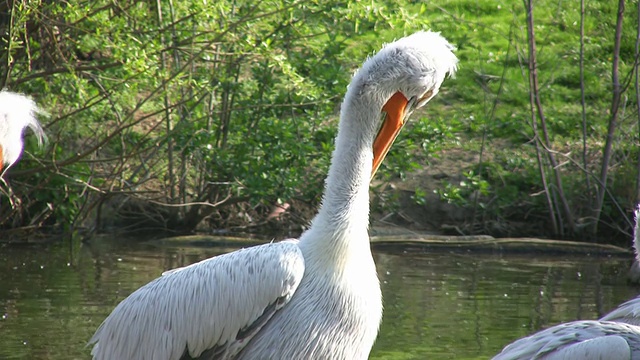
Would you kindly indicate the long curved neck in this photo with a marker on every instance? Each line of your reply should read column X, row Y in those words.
column 346, row 195
column 340, row 228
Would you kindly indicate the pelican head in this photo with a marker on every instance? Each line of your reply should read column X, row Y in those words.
column 17, row 112
column 403, row 76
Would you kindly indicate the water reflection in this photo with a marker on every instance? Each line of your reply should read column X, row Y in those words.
column 453, row 306
column 437, row 306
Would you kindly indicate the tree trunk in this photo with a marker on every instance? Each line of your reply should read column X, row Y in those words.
column 613, row 122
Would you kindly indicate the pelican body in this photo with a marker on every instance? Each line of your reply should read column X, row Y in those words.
column 313, row 298
column 17, row 112
column 616, row 336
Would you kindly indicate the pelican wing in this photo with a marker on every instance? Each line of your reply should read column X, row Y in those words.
column 577, row 340
column 604, row 347
column 216, row 305
column 629, row 313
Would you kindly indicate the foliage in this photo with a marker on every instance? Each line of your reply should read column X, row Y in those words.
column 157, row 110
column 460, row 193
column 184, row 103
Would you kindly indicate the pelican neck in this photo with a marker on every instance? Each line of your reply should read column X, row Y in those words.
column 345, row 204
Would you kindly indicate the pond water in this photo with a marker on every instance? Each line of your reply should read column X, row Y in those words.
column 437, row 305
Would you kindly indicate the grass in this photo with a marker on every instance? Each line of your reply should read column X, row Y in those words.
column 488, row 101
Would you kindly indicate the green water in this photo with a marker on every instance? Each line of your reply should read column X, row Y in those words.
column 437, row 306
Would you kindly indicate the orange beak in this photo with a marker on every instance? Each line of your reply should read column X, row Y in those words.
column 396, row 110
column 394, row 121
column 1, row 160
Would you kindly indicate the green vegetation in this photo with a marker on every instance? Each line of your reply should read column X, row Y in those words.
column 184, row 115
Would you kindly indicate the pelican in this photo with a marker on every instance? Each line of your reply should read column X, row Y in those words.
column 615, row 336
column 17, row 112
column 629, row 312
column 317, row 297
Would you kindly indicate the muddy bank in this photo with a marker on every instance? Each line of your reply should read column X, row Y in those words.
column 400, row 240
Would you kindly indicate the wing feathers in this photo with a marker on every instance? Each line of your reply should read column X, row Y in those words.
column 629, row 312
column 573, row 338
column 202, row 306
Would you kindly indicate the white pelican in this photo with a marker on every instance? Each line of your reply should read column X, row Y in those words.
column 16, row 113
column 629, row 312
column 614, row 336
column 316, row 298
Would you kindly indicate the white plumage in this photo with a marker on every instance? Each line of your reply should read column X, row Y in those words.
column 16, row 113
column 579, row 340
column 614, row 336
column 629, row 313
column 187, row 310
column 316, row 298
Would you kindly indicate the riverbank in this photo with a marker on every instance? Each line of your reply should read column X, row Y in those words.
column 396, row 240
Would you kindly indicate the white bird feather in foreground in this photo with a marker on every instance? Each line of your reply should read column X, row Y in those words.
column 616, row 336
column 316, row 298
column 17, row 112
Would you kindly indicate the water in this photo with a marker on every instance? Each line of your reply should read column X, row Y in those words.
column 437, row 306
